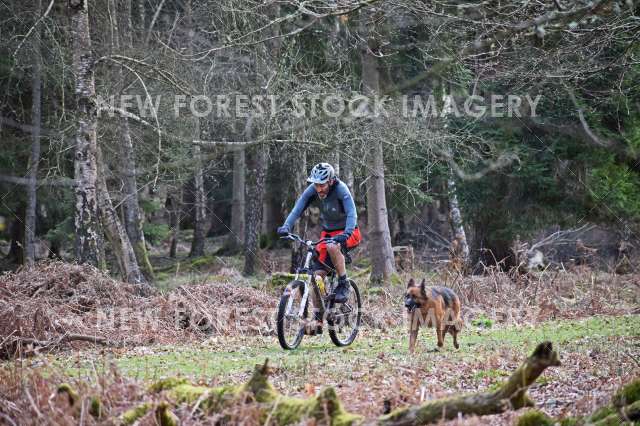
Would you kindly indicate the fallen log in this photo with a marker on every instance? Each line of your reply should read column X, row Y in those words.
column 511, row 395
column 13, row 346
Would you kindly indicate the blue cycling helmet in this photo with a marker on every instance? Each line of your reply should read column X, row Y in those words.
column 321, row 173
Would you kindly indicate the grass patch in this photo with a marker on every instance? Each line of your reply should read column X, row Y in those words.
column 224, row 356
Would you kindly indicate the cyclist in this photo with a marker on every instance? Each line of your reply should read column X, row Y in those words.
column 338, row 218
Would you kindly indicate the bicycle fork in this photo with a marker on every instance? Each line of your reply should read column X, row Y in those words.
column 305, row 295
column 303, row 302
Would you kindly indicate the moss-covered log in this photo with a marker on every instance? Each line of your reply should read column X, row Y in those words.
column 511, row 395
column 276, row 408
column 132, row 415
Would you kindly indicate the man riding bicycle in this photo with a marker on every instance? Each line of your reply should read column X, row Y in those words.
column 338, row 218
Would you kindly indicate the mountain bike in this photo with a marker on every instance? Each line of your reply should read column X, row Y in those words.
column 343, row 319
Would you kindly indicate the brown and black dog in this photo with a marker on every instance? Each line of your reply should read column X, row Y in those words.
column 438, row 306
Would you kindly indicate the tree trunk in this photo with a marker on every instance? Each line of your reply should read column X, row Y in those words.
column 299, row 184
column 456, row 225
column 199, row 199
column 255, row 174
column 88, row 238
column 199, row 205
column 380, row 249
column 132, row 214
column 116, row 234
column 16, row 249
column 236, row 236
column 256, row 159
column 175, row 209
column 34, row 158
column 272, row 211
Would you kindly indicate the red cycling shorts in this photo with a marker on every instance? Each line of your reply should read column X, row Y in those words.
column 351, row 242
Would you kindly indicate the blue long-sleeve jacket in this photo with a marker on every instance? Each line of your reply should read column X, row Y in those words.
column 337, row 210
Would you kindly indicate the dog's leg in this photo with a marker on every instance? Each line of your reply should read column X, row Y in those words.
column 413, row 337
column 454, row 333
column 440, row 331
column 413, row 331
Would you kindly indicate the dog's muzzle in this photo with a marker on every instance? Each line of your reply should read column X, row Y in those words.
column 410, row 304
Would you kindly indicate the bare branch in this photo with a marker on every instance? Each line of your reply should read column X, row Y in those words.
column 561, row 237
column 153, row 22
column 46, row 13
column 17, row 180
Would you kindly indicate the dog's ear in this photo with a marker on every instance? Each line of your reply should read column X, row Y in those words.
column 423, row 290
column 411, row 283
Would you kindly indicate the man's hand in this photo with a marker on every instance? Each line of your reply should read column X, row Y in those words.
column 283, row 230
column 340, row 238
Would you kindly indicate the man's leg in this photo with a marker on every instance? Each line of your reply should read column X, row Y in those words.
column 341, row 293
column 337, row 258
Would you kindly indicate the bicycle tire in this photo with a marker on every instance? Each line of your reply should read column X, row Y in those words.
column 280, row 319
column 354, row 332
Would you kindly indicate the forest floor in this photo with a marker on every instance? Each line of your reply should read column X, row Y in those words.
column 592, row 318
column 598, row 355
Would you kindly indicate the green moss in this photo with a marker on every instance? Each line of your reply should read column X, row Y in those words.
column 162, row 276
column 542, row 381
column 188, row 393
column 521, row 400
column 290, row 410
column 130, row 416
column 165, row 417
column 168, row 383
column 571, row 421
column 482, row 321
column 612, row 420
column 375, row 291
column 632, row 412
column 212, row 398
column 326, row 404
column 95, row 407
column 361, row 273
column 277, row 408
column 363, row 262
column 627, row 394
column 601, row 413
column 202, row 262
column 491, row 374
column 259, row 385
column 396, row 279
column 534, row 418
column 71, row 394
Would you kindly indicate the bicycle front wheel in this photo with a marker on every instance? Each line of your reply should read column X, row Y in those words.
column 289, row 323
column 344, row 318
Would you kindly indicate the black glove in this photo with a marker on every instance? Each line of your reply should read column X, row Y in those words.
column 283, row 230
column 340, row 238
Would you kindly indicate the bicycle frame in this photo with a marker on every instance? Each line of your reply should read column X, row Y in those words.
column 306, row 268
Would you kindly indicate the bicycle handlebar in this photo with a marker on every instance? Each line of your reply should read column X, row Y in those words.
column 294, row 237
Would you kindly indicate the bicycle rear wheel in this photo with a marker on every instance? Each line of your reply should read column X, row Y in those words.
column 344, row 318
column 290, row 326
